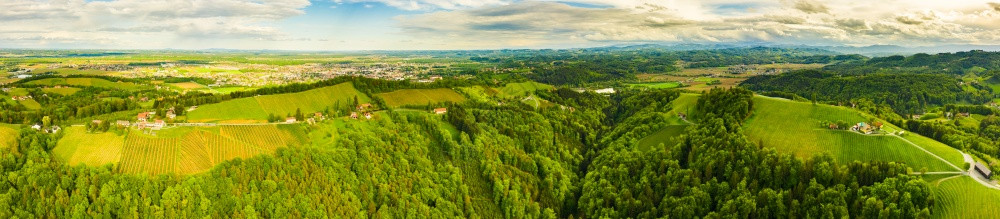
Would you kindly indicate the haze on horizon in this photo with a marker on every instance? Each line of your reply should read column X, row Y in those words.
column 487, row 24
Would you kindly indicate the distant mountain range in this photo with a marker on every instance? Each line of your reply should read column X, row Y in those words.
column 873, row 50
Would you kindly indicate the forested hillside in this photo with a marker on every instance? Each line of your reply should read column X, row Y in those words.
column 488, row 161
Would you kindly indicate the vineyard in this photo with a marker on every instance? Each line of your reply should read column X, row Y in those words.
column 411, row 97
column 963, row 197
column 258, row 108
column 201, row 149
column 794, row 127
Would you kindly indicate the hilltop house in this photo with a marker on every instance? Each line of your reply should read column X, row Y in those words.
column 122, row 123
column 364, row 106
column 290, row 120
column 982, row 169
column 440, row 111
column 862, row 127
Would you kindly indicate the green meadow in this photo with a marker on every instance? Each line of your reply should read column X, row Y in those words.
column 414, row 97
column 258, row 108
column 794, row 127
column 87, row 82
column 523, row 88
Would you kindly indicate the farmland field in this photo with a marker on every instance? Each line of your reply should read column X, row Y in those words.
column 87, row 82
column 524, row 88
column 193, row 150
column 188, row 85
column 420, row 97
column 794, row 127
column 963, row 197
column 61, row 90
column 657, row 85
column 258, row 108
column 79, row 147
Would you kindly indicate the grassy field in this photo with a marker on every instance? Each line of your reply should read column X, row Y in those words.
column 72, row 71
column 257, row 108
column 61, row 90
column 420, row 97
column 666, row 136
column 30, row 104
column 8, row 135
column 657, row 85
column 793, row 127
column 963, row 197
column 87, row 82
column 189, row 150
column 79, row 147
column 524, row 88
column 188, row 85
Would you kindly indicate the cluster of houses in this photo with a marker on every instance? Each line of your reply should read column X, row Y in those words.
column 28, row 97
column 866, row 128
column 144, row 120
column 365, row 111
column 52, row 130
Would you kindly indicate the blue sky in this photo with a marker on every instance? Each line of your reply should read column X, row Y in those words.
column 487, row 24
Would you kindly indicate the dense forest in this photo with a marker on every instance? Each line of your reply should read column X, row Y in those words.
column 958, row 63
column 509, row 161
column 906, row 93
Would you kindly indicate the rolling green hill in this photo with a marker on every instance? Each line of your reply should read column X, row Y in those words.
column 523, row 88
column 87, row 82
column 794, row 127
column 416, row 97
column 963, row 197
column 257, row 108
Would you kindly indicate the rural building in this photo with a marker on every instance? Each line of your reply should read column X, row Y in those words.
column 142, row 117
column 53, row 129
column 96, row 121
column 36, row 127
column 159, row 123
column 170, row 113
column 364, row 106
column 318, row 115
column 368, row 115
column 982, row 169
column 290, row 120
column 605, row 91
column 122, row 123
column 354, row 115
column 440, row 111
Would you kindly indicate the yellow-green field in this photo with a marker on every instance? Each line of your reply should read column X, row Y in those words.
column 523, row 88
column 181, row 150
column 86, row 82
column 259, row 107
column 415, row 97
column 61, row 90
column 8, row 135
column 188, row 85
column 30, row 104
column 79, row 147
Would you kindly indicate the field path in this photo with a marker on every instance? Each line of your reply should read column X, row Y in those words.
column 928, row 152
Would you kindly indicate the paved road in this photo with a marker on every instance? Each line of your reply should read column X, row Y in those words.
column 975, row 175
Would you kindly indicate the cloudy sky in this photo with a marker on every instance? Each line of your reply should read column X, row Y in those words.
column 488, row 24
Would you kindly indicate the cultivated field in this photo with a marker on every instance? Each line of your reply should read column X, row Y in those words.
column 963, row 197
column 257, row 108
column 188, row 85
column 61, row 90
column 524, row 88
column 413, row 97
column 86, row 82
column 657, row 85
column 794, row 127
column 79, row 147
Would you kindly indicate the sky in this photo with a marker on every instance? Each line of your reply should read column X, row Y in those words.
column 334, row 25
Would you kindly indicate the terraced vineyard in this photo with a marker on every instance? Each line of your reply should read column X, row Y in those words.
column 963, row 197
column 257, row 108
column 793, row 127
column 419, row 97
column 200, row 149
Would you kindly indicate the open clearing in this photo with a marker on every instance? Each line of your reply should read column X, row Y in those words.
column 258, row 108
column 667, row 136
column 794, row 127
column 79, row 147
column 420, row 97
column 8, row 135
column 523, row 88
column 963, row 197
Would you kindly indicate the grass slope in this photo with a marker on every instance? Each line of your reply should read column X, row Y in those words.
column 79, row 147
column 793, row 127
column 257, row 108
column 666, row 136
column 62, row 90
column 8, row 135
column 524, row 88
column 413, row 97
column 963, row 197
